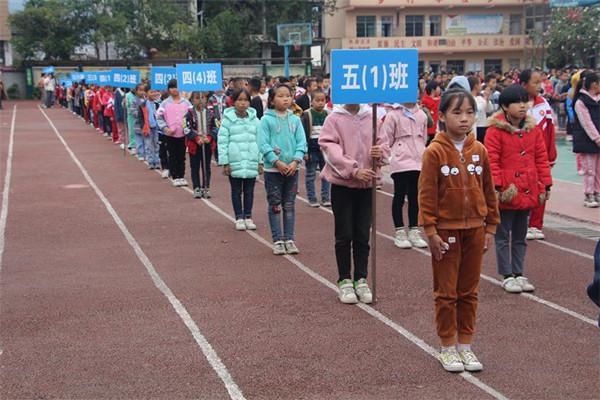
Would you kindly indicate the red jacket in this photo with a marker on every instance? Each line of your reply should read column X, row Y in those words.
column 432, row 104
column 519, row 162
column 542, row 114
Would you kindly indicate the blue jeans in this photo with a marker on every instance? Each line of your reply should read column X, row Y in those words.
column 315, row 158
column 239, row 186
column 281, row 195
column 139, row 145
column 151, row 147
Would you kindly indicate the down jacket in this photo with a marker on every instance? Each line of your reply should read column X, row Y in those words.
column 406, row 129
column 238, row 143
column 519, row 163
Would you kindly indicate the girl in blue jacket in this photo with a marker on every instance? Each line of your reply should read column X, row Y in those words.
column 283, row 146
column 239, row 155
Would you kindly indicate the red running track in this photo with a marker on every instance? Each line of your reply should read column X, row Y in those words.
column 81, row 316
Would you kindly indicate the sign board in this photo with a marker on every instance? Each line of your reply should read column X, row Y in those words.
column 573, row 3
column 374, row 76
column 77, row 76
column 160, row 76
column 125, row 78
column 104, row 78
column 91, row 77
column 199, row 77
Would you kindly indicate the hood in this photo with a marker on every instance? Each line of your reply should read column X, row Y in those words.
column 364, row 111
column 445, row 141
column 498, row 120
column 232, row 116
column 462, row 81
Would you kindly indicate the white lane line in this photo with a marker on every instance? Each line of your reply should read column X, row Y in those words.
column 368, row 309
column 6, row 189
column 566, row 249
column 208, row 351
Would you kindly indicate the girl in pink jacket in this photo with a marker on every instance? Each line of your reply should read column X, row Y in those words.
column 406, row 129
column 346, row 142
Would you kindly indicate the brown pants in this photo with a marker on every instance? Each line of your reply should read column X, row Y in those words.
column 456, row 284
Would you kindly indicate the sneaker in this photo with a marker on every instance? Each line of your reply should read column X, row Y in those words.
column 470, row 361
column 313, row 203
column 279, row 248
column 530, row 234
column 569, row 138
column 197, row 193
column 451, row 361
column 524, row 283
column 131, row 151
column 347, row 295
column 122, row 146
column 290, row 247
column 414, row 235
column 597, row 198
column 511, row 285
column 207, row 194
column 140, row 158
column 240, row 225
column 182, row 182
column 401, row 239
column 590, row 201
column 175, row 182
column 250, row 225
column 326, row 203
column 538, row 234
column 361, row 288
column 164, row 174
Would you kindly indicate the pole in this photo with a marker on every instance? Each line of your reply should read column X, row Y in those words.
column 286, row 65
column 374, row 213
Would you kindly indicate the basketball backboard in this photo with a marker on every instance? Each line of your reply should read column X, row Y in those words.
column 294, row 34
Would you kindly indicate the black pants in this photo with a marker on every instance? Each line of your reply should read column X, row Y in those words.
column 245, row 187
column 352, row 215
column 107, row 124
column 481, row 133
column 405, row 183
column 163, row 153
column 176, row 149
column 200, row 163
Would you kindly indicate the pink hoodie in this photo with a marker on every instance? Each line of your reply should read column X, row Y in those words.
column 406, row 129
column 346, row 140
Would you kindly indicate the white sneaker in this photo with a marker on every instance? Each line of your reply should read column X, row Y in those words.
column 414, row 236
column 240, row 225
column 290, row 247
column 346, row 292
column 250, row 225
column 530, row 234
column 140, row 158
column 175, row 182
column 326, row 203
column 122, row 146
column 511, row 285
column 524, row 283
column 164, row 174
column 401, row 239
column 590, row 201
column 182, row 182
column 361, row 288
column 313, row 203
column 451, row 361
column 538, row 234
column 470, row 361
column 279, row 248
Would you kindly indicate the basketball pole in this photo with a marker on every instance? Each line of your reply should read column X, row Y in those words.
column 286, row 60
column 374, row 212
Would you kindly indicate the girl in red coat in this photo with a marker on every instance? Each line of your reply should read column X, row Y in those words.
column 521, row 173
column 431, row 103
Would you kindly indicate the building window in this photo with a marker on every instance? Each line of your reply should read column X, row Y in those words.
column 514, row 63
column 493, row 65
column 421, row 67
column 435, row 25
column 515, row 24
column 536, row 18
column 365, row 26
column 414, row 25
column 387, row 23
column 456, row 66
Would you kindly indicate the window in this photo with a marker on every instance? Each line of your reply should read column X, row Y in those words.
column 414, row 25
column 435, row 25
column 515, row 24
column 421, row 67
column 514, row 63
column 387, row 23
column 493, row 65
column 457, row 66
column 536, row 18
column 434, row 66
column 365, row 26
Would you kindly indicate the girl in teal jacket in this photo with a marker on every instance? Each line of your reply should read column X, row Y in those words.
column 239, row 155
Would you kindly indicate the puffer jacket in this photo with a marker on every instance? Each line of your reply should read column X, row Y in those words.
column 281, row 139
column 406, row 129
column 519, row 162
column 238, row 143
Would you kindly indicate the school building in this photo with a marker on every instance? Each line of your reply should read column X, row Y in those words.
column 451, row 35
column 5, row 53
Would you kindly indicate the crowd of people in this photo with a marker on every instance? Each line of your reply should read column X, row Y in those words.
column 472, row 157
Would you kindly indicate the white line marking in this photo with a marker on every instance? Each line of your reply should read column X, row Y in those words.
column 208, row 351
column 576, row 252
column 6, row 189
column 566, row 181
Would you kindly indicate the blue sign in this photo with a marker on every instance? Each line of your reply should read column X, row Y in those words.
column 91, row 76
column 48, row 70
column 104, row 78
column 573, row 3
column 126, row 78
column 67, row 83
column 200, row 77
column 77, row 76
column 160, row 76
column 374, row 76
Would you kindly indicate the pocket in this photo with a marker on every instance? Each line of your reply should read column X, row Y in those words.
column 452, row 199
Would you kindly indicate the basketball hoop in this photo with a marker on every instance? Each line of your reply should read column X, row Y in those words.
column 297, row 47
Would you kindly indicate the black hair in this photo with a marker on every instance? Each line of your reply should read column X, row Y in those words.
column 473, row 81
column 255, row 83
column 432, row 85
column 489, row 77
column 238, row 92
column 308, row 82
column 319, row 91
column 455, row 97
column 197, row 93
column 586, row 79
column 140, row 85
column 525, row 76
column 172, row 84
column 274, row 90
column 283, row 79
column 513, row 94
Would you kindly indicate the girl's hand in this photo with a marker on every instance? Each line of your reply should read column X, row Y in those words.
column 168, row 131
column 376, row 152
column 261, row 169
column 291, row 169
column 488, row 241
column 365, row 175
column 226, row 170
column 281, row 167
column 438, row 247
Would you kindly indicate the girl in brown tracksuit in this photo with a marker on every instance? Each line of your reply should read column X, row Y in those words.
column 459, row 212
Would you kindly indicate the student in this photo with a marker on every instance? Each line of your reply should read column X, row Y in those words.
column 485, row 108
column 459, row 212
column 586, row 135
column 146, row 126
column 312, row 121
column 256, row 102
column 305, row 100
column 431, row 101
column 170, row 118
column 198, row 142
column 405, row 126
column 218, row 103
column 240, row 156
column 107, row 113
column 129, row 104
column 119, row 116
column 521, row 172
column 346, row 141
column 283, row 146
